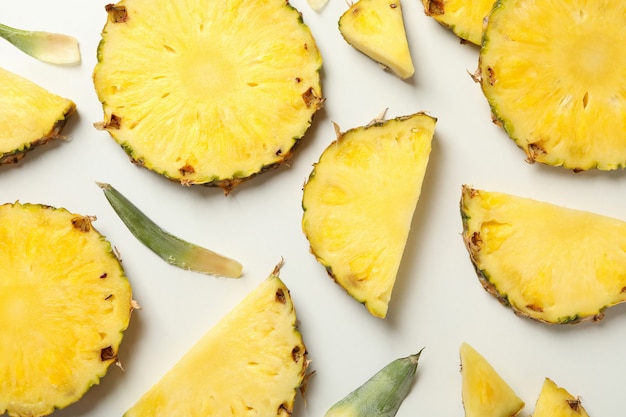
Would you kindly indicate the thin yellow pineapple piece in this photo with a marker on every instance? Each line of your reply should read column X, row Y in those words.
column 550, row 263
column 30, row 116
column 484, row 392
column 207, row 92
column 553, row 77
column 64, row 304
column 250, row 363
column 555, row 401
column 466, row 19
column 359, row 201
column 376, row 28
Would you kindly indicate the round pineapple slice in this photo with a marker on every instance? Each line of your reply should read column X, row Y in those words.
column 64, row 305
column 207, row 92
column 553, row 74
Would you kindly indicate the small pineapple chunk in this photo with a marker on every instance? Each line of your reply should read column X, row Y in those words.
column 554, row 401
column 64, row 305
column 466, row 19
column 376, row 28
column 484, row 392
column 359, row 201
column 30, row 116
column 550, row 263
column 250, row 363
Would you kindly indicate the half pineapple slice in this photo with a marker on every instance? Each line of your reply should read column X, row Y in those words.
column 359, row 201
column 376, row 28
column 250, row 363
column 64, row 304
column 30, row 116
column 550, row 263
column 207, row 92
column 484, row 392
column 553, row 77
column 466, row 19
column 555, row 401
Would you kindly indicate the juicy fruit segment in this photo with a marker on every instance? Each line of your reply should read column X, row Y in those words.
column 30, row 116
column 64, row 304
column 207, row 92
column 249, row 363
column 555, row 401
column 382, row 394
column 466, row 19
column 550, row 263
column 376, row 28
column 542, row 82
column 484, row 392
column 359, row 201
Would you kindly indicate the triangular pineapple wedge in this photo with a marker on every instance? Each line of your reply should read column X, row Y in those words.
column 207, row 92
column 250, row 363
column 555, row 401
column 30, row 116
column 65, row 303
column 550, row 263
column 484, row 392
column 466, row 19
column 359, row 201
column 376, row 28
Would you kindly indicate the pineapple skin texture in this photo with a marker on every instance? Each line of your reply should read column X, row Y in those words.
column 65, row 298
column 359, row 200
column 232, row 94
column 30, row 116
column 552, row 264
column 249, row 363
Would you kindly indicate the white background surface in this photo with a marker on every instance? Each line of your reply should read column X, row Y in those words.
column 438, row 302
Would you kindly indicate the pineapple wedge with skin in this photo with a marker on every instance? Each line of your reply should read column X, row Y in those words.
column 250, row 363
column 376, row 28
column 552, row 77
column 485, row 393
column 64, row 305
column 466, row 19
column 555, row 401
column 358, row 204
column 30, row 116
column 550, row 263
column 207, row 92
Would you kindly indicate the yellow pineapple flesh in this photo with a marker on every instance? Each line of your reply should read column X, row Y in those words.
column 64, row 304
column 553, row 79
column 555, row 401
column 250, row 363
column 485, row 393
column 550, row 263
column 359, row 201
column 466, row 19
column 207, row 92
column 376, row 28
column 30, row 116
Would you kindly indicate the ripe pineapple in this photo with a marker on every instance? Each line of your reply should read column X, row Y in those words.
column 552, row 76
column 484, row 392
column 64, row 304
column 554, row 401
column 376, row 28
column 30, row 116
column 250, row 363
column 207, row 92
column 465, row 19
column 550, row 263
column 359, row 200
